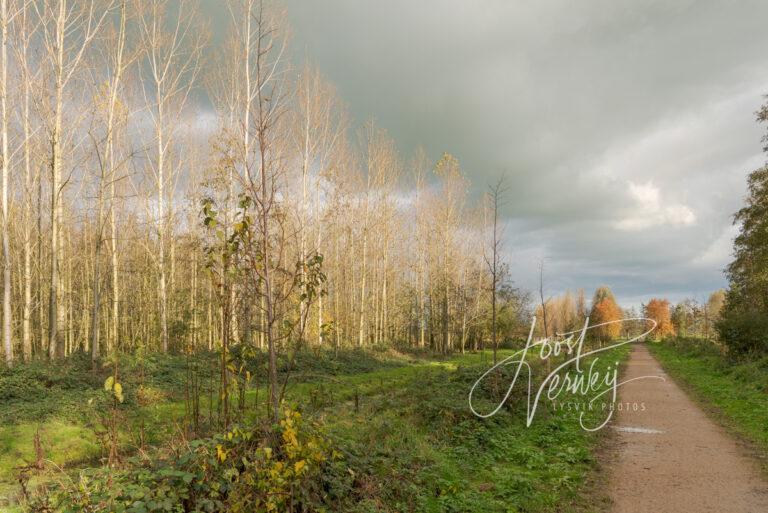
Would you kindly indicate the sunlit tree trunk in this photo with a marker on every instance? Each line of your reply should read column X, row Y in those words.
column 68, row 31
column 54, row 299
column 108, row 171
column 7, row 335
column 363, row 274
column 171, row 55
column 115, row 324
column 22, row 51
column 319, row 236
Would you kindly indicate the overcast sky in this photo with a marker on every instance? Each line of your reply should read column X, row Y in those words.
column 626, row 128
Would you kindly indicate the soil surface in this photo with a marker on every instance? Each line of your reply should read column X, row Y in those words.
column 670, row 457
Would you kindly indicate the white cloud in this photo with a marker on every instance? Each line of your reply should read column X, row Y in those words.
column 649, row 211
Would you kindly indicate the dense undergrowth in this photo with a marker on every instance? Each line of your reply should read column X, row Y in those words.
column 735, row 387
column 61, row 388
column 377, row 432
column 55, row 402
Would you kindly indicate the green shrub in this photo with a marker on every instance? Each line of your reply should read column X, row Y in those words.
column 269, row 468
column 744, row 332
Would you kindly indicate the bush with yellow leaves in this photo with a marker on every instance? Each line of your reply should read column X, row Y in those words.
column 270, row 468
column 279, row 475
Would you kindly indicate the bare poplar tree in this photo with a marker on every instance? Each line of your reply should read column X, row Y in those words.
column 496, row 194
column 116, row 62
column 448, row 210
column 24, row 31
column 172, row 48
column 8, row 11
column 318, row 128
column 7, row 335
column 261, row 169
column 543, row 302
column 68, row 28
column 420, row 166
column 381, row 172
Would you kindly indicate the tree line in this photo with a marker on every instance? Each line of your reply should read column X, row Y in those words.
column 162, row 193
column 688, row 318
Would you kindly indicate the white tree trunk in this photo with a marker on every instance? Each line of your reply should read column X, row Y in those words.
column 27, row 202
column 7, row 339
column 53, row 299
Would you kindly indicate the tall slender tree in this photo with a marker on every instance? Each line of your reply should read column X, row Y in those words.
column 496, row 193
column 68, row 29
column 114, row 56
column 172, row 48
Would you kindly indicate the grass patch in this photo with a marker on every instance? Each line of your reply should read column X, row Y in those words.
column 53, row 397
column 736, row 390
column 411, row 444
column 408, row 439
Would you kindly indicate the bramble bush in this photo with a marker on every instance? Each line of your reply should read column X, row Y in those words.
column 271, row 468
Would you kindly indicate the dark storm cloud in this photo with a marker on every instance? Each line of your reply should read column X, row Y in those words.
column 626, row 127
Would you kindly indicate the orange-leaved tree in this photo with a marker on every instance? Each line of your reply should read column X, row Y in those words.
column 604, row 310
column 658, row 310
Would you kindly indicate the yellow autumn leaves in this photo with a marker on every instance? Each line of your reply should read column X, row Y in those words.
column 110, row 385
column 269, row 480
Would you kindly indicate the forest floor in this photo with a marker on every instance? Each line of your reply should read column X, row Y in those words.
column 403, row 420
column 669, row 456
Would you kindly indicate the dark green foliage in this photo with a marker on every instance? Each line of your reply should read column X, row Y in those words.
column 62, row 388
column 745, row 315
column 744, row 331
column 748, row 273
column 310, row 363
column 39, row 389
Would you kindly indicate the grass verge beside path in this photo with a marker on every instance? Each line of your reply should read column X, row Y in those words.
column 736, row 392
column 435, row 456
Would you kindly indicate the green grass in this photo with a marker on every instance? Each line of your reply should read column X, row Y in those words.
column 735, row 391
column 403, row 425
column 60, row 409
column 415, row 446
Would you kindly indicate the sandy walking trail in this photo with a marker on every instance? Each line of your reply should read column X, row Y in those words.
column 671, row 458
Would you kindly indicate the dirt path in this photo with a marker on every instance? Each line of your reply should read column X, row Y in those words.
column 671, row 458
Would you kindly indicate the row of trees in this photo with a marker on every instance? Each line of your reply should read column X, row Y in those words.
column 153, row 199
column 568, row 312
column 688, row 318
